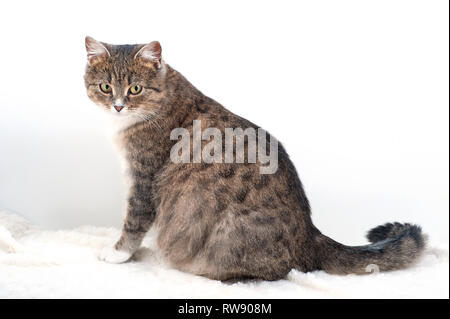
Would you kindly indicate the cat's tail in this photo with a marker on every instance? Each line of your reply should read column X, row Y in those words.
column 394, row 246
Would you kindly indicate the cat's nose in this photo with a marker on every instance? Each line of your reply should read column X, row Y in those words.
column 118, row 107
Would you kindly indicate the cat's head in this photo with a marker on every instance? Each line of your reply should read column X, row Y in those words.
column 125, row 80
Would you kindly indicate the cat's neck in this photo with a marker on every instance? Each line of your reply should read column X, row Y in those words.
column 183, row 99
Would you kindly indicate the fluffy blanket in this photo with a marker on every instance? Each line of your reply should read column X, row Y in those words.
column 36, row 263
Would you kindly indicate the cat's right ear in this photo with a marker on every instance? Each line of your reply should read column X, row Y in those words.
column 95, row 50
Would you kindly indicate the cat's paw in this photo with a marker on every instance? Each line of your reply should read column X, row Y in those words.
column 12, row 248
column 16, row 248
column 8, row 243
column 113, row 256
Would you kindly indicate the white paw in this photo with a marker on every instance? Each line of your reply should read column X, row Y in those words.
column 16, row 248
column 12, row 248
column 113, row 256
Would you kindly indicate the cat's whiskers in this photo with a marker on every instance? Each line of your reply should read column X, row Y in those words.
column 149, row 117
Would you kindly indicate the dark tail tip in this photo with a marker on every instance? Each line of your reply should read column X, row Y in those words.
column 396, row 230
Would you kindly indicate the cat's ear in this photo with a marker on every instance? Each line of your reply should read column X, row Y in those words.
column 150, row 53
column 95, row 50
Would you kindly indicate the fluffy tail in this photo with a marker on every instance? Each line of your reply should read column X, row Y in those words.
column 394, row 246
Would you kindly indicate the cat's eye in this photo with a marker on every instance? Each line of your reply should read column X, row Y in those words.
column 105, row 88
column 135, row 89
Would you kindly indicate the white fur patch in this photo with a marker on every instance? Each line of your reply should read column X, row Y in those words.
column 122, row 120
column 118, row 101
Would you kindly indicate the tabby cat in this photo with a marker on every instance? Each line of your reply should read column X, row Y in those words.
column 224, row 221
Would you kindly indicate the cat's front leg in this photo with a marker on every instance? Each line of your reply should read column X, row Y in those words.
column 140, row 216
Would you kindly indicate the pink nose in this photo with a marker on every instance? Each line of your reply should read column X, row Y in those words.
column 118, row 107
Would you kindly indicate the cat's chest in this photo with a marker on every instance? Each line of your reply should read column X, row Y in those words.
column 142, row 153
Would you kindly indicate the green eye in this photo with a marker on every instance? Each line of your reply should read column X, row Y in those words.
column 106, row 88
column 135, row 89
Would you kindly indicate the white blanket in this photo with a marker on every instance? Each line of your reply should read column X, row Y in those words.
column 36, row 263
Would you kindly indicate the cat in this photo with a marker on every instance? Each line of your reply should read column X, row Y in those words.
column 225, row 221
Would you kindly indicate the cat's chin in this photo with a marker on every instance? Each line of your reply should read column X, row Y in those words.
column 122, row 121
column 118, row 115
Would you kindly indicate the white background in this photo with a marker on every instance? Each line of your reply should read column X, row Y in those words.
column 357, row 91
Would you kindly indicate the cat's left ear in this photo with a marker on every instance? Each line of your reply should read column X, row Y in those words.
column 150, row 53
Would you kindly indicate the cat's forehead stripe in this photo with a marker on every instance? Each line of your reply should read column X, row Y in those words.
column 122, row 57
